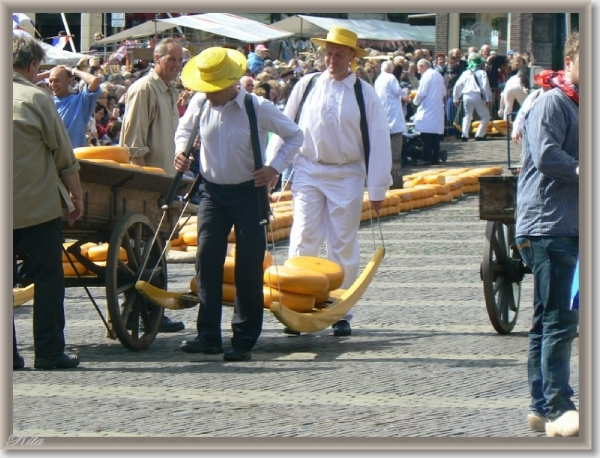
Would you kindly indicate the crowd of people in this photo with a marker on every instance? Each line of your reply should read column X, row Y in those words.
column 332, row 118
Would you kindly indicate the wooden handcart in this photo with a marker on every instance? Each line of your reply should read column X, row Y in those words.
column 123, row 207
column 502, row 269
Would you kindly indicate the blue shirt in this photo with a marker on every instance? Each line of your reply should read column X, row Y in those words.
column 76, row 110
column 548, row 187
column 255, row 63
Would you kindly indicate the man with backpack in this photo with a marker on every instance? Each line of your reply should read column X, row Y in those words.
column 346, row 139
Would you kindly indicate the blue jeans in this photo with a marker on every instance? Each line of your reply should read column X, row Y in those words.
column 554, row 324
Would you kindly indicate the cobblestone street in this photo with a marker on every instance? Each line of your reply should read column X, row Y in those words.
column 423, row 359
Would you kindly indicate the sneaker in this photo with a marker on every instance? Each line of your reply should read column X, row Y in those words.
column 342, row 328
column 567, row 425
column 56, row 362
column 464, row 139
column 537, row 422
column 290, row 332
column 480, row 139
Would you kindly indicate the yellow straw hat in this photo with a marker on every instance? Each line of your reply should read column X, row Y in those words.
column 214, row 69
column 341, row 36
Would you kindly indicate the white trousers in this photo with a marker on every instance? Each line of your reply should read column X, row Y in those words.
column 327, row 208
column 473, row 101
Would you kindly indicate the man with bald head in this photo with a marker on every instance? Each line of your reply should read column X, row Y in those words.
column 247, row 83
column 75, row 109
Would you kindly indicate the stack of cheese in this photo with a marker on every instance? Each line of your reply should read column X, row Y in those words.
column 390, row 206
column 188, row 235
column 229, row 273
column 98, row 254
column 301, row 284
column 116, row 156
column 491, row 128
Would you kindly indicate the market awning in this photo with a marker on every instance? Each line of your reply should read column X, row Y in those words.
column 222, row 24
column 139, row 31
column 366, row 29
column 54, row 56
column 231, row 26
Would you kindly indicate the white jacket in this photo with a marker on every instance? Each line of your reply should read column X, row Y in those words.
column 430, row 100
column 466, row 84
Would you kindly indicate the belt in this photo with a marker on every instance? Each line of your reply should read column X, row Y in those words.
column 245, row 184
column 334, row 163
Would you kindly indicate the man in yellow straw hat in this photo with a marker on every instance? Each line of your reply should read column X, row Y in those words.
column 331, row 166
column 228, row 195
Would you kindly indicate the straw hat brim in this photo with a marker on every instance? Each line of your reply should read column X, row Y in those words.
column 191, row 77
column 323, row 43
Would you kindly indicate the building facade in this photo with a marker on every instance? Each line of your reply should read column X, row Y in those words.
column 541, row 34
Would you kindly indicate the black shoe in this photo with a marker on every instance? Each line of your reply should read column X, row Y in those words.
column 464, row 139
column 56, row 362
column 480, row 139
column 235, row 354
column 201, row 345
column 443, row 155
column 168, row 325
column 342, row 328
column 18, row 362
column 290, row 332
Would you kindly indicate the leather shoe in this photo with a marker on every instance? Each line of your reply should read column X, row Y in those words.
column 18, row 362
column 201, row 345
column 56, row 362
column 290, row 332
column 342, row 328
column 235, row 354
column 168, row 325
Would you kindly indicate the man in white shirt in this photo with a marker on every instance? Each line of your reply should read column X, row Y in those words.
column 330, row 167
column 389, row 92
column 229, row 194
column 429, row 119
column 473, row 87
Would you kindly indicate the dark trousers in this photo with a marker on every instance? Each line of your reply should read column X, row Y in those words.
column 42, row 244
column 220, row 208
column 431, row 147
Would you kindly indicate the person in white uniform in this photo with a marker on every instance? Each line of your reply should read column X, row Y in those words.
column 390, row 93
column 429, row 118
column 474, row 88
column 329, row 168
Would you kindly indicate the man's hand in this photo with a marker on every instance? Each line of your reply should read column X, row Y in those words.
column 376, row 204
column 265, row 176
column 182, row 163
column 77, row 212
column 516, row 137
column 456, row 104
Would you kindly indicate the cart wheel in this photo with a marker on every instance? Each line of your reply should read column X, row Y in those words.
column 135, row 320
column 502, row 272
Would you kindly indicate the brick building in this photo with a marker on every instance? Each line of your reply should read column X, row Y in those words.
column 542, row 34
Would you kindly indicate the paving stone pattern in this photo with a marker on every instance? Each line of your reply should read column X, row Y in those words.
column 423, row 360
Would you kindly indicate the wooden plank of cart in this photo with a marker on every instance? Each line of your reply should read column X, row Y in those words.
column 123, row 207
column 502, row 269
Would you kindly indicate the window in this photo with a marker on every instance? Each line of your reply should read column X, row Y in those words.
column 478, row 29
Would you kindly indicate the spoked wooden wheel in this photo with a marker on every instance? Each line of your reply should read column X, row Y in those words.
column 134, row 319
column 502, row 272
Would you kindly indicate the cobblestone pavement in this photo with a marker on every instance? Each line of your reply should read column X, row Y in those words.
column 423, row 360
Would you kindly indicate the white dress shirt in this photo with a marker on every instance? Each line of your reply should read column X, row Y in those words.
column 466, row 83
column 330, row 121
column 226, row 155
column 389, row 92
